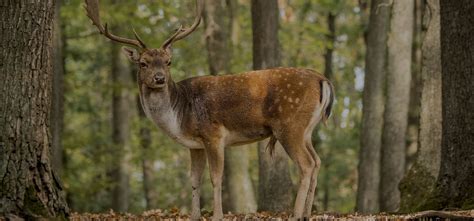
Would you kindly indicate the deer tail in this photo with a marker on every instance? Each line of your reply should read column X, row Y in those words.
column 271, row 145
column 327, row 99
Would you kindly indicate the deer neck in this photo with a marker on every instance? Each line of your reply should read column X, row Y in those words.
column 164, row 107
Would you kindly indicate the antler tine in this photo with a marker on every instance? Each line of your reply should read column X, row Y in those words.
column 183, row 32
column 92, row 9
column 139, row 39
column 197, row 21
column 171, row 39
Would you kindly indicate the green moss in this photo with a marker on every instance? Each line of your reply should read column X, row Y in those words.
column 434, row 201
column 416, row 187
column 468, row 204
column 33, row 207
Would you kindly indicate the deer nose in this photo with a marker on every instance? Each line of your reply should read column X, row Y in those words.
column 160, row 79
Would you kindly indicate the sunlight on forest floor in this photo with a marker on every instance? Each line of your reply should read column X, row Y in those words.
column 175, row 215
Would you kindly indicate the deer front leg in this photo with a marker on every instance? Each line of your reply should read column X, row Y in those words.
column 198, row 161
column 215, row 155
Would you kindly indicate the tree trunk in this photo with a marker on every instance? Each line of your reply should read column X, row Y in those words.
column 417, row 185
column 238, row 190
column 415, row 87
column 373, row 108
column 456, row 176
column 57, row 107
column 275, row 187
column 29, row 188
column 307, row 7
column 398, row 100
column 121, row 101
column 331, row 40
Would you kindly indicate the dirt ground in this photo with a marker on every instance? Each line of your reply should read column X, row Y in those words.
column 166, row 215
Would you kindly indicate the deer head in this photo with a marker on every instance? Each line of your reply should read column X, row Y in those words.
column 154, row 64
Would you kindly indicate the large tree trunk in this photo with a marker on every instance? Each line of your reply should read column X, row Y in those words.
column 29, row 187
column 57, row 102
column 398, row 100
column 238, row 190
column 456, row 176
column 373, row 108
column 275, row 187
column 419, row 182
column 121, row 102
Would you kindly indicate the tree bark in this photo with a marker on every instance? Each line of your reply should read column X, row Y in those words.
column 57, row 107
column 275, row 187
column 417, row 185
column 29, row 188
column 415, row 87
column 238, row 191
column 398, row 100
column 373, row 108
column 121, row 101
column 456, row 176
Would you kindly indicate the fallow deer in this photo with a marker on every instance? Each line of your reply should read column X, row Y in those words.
column 208, row 113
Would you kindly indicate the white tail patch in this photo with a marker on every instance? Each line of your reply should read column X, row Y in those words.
column 321, row 111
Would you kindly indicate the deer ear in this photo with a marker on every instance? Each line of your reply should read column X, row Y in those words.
column 131, row 54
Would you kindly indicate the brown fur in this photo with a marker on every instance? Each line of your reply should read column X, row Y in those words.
column 212, row 112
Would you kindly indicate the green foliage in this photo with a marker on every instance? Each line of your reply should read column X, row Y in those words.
column 87, row 135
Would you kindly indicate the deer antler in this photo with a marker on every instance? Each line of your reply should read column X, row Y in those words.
column 183, row 32
column 92, row 9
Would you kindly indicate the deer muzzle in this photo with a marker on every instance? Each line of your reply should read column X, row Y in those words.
column 159, row 79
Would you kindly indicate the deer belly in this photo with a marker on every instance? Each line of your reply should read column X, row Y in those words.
column 236, row 138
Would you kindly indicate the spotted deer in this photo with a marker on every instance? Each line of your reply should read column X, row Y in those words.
column 208, row 113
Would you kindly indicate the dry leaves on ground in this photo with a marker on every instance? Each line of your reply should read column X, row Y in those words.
column 175, row 214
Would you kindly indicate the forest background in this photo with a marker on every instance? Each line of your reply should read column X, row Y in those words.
column 380, row 151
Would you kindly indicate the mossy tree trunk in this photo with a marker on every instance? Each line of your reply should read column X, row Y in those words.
column 419, row 181
column 454, row 186
column 29, row 188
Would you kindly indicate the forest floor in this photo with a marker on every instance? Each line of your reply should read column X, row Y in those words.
column 175, row 215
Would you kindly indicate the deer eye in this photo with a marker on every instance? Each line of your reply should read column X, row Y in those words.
column 143, row 65
column 168, row 62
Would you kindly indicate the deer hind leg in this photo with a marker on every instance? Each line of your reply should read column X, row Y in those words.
column 198, row 162
column 215, row 156
column 314, row 178
column 295, row 147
